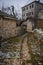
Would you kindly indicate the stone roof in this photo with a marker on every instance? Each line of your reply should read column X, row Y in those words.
column 33, row 2
column 5, row 15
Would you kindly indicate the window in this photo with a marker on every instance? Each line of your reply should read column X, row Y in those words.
column 27, row 14
column 32, row 13
column 32, row 5
column 27, row 8
column 23, row 9
column 23, row 14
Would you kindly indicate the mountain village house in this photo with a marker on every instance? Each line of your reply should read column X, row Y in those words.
column 7, row 25
column 33, row 15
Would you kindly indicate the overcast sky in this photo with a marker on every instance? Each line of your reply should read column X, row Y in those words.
column 17, row 3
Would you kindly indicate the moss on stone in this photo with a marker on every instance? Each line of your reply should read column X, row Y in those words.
column 13, row 40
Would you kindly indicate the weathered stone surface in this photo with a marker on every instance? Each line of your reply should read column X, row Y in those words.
column 8, row 28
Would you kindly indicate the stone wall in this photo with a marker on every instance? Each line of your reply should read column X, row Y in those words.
column 8, row 27
column 40, row 24
column 29, row 26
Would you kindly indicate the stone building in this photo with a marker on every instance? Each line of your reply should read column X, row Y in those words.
column 32, row 9
column 33, row 15
column 7, row 25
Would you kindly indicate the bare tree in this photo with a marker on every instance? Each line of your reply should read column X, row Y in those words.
column 13, row 10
